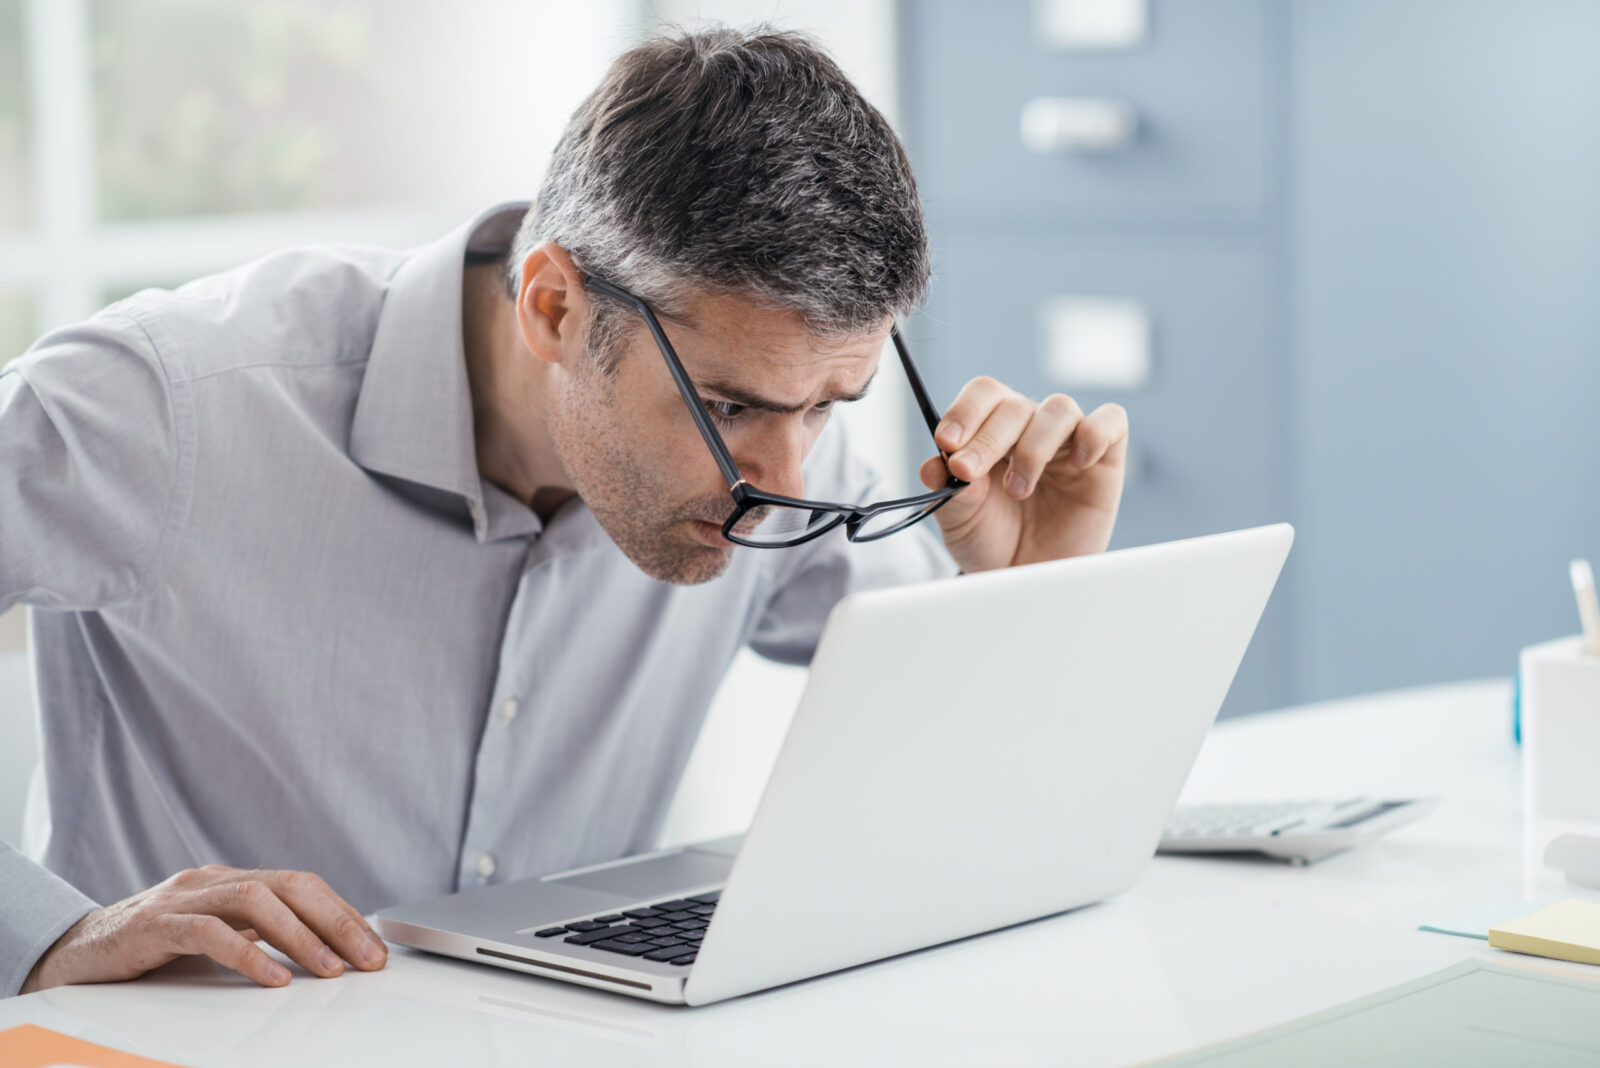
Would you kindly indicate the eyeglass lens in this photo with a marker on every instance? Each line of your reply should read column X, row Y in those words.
column 776, row 525
column 887, row 522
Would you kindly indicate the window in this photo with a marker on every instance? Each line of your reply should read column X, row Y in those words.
column 151, row 141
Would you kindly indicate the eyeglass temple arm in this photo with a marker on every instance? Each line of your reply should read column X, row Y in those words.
column 917, row 388
column 691, row 396
column 929, row 412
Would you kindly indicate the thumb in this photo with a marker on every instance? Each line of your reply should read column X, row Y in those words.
column 961, row 507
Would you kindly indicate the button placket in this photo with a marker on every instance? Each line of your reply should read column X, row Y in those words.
column 487, row 835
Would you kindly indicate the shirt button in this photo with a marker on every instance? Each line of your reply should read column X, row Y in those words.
column 508, row 709
column 485, row 865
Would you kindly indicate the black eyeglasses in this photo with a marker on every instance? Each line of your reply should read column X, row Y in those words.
column 764, row 520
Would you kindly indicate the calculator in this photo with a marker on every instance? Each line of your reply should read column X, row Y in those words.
column 1297, row 831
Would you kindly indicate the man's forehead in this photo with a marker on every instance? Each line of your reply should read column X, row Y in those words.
column 749, row 352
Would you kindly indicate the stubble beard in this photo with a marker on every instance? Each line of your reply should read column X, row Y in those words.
column 627, row 493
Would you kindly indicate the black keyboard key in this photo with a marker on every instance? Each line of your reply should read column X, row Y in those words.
column 641, row 914
column 585, row 925
column 610, row 917
column 674, row 917
column 549, row 932
column 669, row 942
column 690, row 925
column 630, row 949
column 647, row 921
column 635, row 936
column 683, row 960
column 671, row 954
column 586, row 937
column 691, row 936
column 674, row 905
column 708, row 899
column 703, row 910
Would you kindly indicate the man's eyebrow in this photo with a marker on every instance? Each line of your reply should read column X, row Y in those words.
column 728, row 392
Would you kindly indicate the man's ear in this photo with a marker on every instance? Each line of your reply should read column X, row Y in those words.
column 552, row 307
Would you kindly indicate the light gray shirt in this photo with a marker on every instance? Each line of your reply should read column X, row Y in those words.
column 280, row 621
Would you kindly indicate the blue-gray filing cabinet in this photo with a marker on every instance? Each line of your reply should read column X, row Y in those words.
column 1364, row 236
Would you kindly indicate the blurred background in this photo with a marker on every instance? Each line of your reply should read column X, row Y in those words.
column 1339, row 261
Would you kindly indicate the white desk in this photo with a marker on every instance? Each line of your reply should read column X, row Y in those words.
column 1199, row 950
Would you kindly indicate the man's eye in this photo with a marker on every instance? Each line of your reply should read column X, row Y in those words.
column 725, row 410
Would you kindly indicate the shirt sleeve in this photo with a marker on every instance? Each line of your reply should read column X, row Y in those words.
column 39, row 908
column 90, row 468
column 819, row 574
column 90, row 473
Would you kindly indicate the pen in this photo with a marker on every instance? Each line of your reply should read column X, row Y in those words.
column 1588, row 609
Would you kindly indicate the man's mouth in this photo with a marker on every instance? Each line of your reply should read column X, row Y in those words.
column 712, row 530
column 711, row 533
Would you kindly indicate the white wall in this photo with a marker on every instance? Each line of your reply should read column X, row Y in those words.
column 13, row 631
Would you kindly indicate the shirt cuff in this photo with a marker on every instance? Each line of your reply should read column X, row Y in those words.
column 39, row 906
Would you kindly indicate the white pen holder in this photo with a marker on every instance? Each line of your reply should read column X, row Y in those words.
column 1561, row 732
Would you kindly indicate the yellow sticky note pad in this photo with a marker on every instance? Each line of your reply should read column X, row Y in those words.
column 1567, row 930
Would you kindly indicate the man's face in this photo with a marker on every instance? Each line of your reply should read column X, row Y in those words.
column 636, row 458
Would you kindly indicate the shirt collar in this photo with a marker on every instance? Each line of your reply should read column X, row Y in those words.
column 413, row 419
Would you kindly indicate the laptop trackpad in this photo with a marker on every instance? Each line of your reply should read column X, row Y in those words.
column 654, row 876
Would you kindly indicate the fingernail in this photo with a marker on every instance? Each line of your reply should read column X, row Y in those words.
column 372, row 951
column 1080, row 457
column 277, row 973
column 330, row 961
column 1015, row 485
column 951, row 432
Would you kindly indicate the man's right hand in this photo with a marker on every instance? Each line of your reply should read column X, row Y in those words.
column 215, row 912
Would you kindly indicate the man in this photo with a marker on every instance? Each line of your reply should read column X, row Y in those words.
column 408, row 569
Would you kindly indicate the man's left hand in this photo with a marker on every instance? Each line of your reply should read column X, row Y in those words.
column 1046, row 478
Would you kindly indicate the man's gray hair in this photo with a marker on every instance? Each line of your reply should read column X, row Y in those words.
column 733, row 162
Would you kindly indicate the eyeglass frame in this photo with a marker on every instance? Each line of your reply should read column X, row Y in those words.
column 747, row 497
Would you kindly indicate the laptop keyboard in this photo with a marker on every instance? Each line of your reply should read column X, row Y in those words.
column 667, row 931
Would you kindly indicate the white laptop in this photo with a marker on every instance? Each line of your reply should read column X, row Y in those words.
column 968, row 754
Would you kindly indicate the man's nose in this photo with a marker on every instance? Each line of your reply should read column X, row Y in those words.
column 773, row 460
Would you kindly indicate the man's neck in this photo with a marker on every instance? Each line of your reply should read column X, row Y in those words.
column 513, row 450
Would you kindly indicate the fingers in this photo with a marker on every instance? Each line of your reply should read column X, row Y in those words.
column 210, row 936
column 250, row 901
column 335, row 920
column 1060, row 432
column 1103, row 432
column 990, row 422
column 1053, row 423
column 981, row 426
column 217, row 912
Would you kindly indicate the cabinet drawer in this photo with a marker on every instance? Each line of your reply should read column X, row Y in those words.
column 1198, row 83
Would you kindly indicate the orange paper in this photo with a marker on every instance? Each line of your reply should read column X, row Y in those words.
column 29, row 1046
